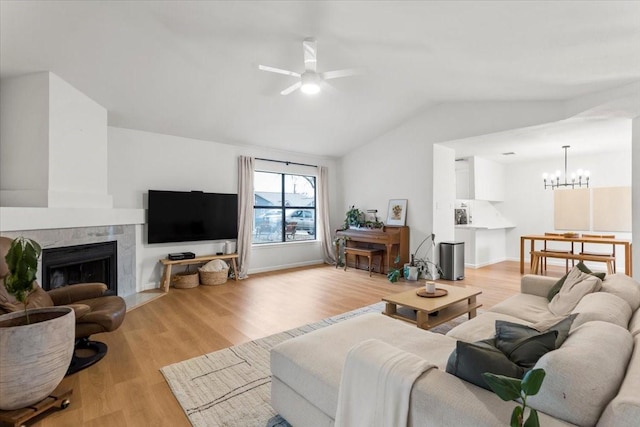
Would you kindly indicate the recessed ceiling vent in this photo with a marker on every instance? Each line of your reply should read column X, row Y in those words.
column 509, row 153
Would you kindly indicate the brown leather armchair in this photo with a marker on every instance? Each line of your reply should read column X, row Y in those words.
column 95, row 312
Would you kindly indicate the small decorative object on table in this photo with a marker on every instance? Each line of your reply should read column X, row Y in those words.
column 437, row 292
column 430, row 287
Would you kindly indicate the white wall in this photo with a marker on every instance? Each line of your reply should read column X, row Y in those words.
column 140, row 161
column 635, row 207
column 62, row 135
column 444, row 194
column 24, row 136
column 78, row 147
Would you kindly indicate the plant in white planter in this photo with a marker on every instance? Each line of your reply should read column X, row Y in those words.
column 36, row 345
column 22, row 261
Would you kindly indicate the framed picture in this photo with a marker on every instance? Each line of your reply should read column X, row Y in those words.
column 397, row 213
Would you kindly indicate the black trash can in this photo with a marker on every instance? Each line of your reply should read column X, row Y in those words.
column 452, row 260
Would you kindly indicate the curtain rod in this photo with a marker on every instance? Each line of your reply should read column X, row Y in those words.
column 286, row 163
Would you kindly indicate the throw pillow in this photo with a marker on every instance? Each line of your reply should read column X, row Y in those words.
column 470, row 360
column 522, row 344
column 576, row 285
column 580, row 266
column 560, row 324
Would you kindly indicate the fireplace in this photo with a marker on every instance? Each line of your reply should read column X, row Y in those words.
column 69, row 265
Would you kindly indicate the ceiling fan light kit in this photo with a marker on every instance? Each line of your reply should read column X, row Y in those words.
column 310, row 83
column 310, row 79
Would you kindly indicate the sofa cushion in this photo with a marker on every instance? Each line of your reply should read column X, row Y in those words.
column 602, row 306
column 625, row 287
column 470, row 360
column 481, row 327
column 311, row 364
column 530, row 308
column 624, row 409
column 634, row 324
column 577, row 285
column 558, row 285
column 576, row 388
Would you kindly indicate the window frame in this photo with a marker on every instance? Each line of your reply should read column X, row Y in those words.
column 283, row 207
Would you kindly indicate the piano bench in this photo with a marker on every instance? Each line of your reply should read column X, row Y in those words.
column 358, row 252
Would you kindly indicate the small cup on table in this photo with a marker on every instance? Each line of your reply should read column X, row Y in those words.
column 430, row 287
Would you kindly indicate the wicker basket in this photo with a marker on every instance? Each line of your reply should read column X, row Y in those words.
column 185, row 280
column 214, row 277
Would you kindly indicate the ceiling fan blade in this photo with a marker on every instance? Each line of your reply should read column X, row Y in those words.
column 328, row 75
column 291, row 88
column 278, row 70
column 310, row 53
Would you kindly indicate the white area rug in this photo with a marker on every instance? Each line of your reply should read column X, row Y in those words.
column 231, row 387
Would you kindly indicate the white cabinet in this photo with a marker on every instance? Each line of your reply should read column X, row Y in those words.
column 479, row 179
column 462, row 179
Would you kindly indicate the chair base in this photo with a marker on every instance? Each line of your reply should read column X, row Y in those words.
column 97, row 350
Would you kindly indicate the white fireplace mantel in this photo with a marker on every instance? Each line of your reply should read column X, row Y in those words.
column 19, row 219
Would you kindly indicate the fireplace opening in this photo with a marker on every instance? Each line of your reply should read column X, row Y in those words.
column 70, row 265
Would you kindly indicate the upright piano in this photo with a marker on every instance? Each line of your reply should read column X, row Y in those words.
column 393, row 240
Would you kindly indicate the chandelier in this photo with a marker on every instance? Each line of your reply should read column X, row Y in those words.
column 578, row 179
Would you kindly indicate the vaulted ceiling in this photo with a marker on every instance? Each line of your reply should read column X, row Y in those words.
column 190, row 68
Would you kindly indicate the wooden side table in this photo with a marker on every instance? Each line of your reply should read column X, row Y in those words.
column 168, row 263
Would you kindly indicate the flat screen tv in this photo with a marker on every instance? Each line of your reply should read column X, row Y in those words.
column 186, row 216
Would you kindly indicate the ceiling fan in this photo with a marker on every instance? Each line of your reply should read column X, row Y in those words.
column 310, row 79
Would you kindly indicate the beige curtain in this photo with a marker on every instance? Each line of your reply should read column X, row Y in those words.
column 324, row 225
column 246, row 166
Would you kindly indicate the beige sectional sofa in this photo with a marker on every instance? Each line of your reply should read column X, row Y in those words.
column 592, row 379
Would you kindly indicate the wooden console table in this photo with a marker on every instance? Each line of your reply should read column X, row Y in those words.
column 393, row 241
column 168, row 263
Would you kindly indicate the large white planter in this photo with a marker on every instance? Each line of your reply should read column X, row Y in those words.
column 34, row 358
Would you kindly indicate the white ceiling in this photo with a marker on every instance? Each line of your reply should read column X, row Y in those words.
column 190, row 68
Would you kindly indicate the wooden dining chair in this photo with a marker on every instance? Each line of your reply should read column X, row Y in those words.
column 543, row 262
column 612, row 253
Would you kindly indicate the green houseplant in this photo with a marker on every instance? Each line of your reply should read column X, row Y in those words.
column 394, row 273
column 35, row 353
column 22, row 261
column 512, row 389
column 354, row 217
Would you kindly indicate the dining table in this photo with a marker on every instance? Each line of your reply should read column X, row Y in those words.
column 576, row 238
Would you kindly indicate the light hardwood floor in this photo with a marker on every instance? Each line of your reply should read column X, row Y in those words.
column 127, row 389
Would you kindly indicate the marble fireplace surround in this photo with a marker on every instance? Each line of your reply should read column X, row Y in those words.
column 123, row 234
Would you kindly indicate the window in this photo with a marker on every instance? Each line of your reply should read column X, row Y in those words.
column 284, row 207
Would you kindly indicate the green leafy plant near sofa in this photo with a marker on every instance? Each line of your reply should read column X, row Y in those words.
column 394, row 273
column 22, row 260
column 512, row 389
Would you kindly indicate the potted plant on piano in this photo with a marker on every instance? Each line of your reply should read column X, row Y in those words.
column 36, row 344
column 354, row 218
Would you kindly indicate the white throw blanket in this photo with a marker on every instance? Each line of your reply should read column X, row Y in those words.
column 376, row 383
